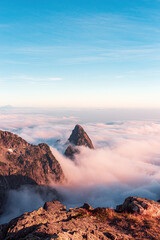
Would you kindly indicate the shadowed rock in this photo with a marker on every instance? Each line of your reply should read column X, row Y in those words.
column 87, row 207
column 54, row 206
column 21, row 183
column 71, row 151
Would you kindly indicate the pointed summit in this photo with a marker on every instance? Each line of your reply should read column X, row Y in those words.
column 80, row 138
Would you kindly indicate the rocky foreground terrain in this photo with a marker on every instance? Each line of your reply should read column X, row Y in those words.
column 136, row 218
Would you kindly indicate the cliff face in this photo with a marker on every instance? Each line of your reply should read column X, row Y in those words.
column 53, row 221
column 22, row 163
column 17, row 157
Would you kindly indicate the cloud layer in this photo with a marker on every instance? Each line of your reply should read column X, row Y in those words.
column 126, row 162
column 126, row 159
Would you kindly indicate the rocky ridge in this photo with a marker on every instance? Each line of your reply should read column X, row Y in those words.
column 53, row 221
column 18, row 157
column 22, row 163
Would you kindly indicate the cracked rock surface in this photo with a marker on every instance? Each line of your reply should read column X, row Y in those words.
column 53, row 221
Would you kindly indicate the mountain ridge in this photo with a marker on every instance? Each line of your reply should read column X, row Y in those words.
column 22, row 163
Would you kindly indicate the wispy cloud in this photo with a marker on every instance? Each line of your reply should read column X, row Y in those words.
column 25, row 78
column 148, row 52
column 81, row 53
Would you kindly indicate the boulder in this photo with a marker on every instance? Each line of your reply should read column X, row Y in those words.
column 140, row 206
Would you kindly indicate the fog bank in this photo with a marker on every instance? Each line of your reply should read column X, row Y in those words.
column 125, row 162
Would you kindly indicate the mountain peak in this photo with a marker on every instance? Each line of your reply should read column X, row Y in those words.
column 78, row 127
column 80, row 138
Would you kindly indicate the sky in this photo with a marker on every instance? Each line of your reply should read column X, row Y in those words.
column 82, row 54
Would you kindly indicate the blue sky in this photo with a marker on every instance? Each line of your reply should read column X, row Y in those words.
column 83, row 53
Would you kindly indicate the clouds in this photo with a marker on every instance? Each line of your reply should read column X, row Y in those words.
column 126, row 162
column 22, row 79
column 29, row 198
column 107, row 175
column 126, row 159
column 129, row 162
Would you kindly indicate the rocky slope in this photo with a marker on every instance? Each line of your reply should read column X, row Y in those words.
column 78, row 138
column 137, row 218
column 23, row 163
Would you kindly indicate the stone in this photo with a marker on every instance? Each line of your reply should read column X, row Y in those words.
column 71, row 151
column 53, row 221
column 140, row 206
column 80, row 138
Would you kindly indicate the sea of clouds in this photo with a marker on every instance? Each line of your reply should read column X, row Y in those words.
column 125, row 162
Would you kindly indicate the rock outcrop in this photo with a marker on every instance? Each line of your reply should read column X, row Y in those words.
column 140, row 206
column 71, row 151
column 22, row 163
column 18, row 157
column 78, row 138
column 53, row 221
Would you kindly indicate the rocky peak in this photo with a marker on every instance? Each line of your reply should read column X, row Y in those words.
column 80, row 138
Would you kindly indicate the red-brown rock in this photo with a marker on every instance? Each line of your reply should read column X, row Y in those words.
column 80, row 138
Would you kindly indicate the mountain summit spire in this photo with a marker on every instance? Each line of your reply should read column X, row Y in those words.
column 80, row 138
